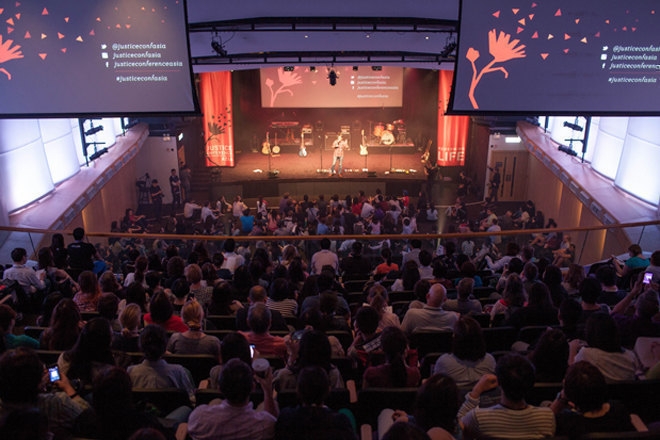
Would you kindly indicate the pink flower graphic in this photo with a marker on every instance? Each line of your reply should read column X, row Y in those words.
column 502, row 49
column 287, row 79
column 8, row 53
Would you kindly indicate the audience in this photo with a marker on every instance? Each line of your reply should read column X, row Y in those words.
column 394, row 372
column 431, row 316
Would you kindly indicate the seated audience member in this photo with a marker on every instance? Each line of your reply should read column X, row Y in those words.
column 64, row 328
column 386, row 266
column 355, row 266
column 513, row 417
column 469, row 270
column 603, row 349
column 161, row 313
column 409, row 276
column 198, row 289
column 233, row 345
column 583, row 406
column 573, row 278
column 538, row 310
column 468, row 360
column 434, row 411
column 569, row 316
column 515, row 266
column 259, row 320
column 590, row 290
column 394, row 372
column 420, row 291
column 425, row 268
column 512, row 249
column 513, row 298
column 22, row 378
column 636, row 260
column 87, row 298
column 58, row 279
column 218, row 260
column 116, row 417
column 193, row 340
column 154, row 372
column 610, row 293
column 27, row 277
column 7, row 323
column 90, row 356
column 107, row 307
column 222, row 300
column 313, row 349
column 138, row 275
column 282, row 298
column 312, row 419
column 324, row 257
column 258, row 295
column 128, row 339
column 634, row 315
column 465, row 303
column 180, row 293
column 378, row 299
column 235, row 417
column 367, row 337
column 550, row 356
column 552, row 277
column 431, row 316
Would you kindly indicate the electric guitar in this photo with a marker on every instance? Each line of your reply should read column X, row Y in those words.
column 427, row 153
column 265, row 147
column 303, row 151
column 363, row 146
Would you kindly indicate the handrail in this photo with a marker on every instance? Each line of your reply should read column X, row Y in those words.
column 343, row 237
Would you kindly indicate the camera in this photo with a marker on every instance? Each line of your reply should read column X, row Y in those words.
column 54, row 374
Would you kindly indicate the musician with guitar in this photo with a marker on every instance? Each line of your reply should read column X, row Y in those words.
column 338, row 156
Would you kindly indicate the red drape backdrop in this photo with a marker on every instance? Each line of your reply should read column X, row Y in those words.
column 215, row 100
column 452, row 130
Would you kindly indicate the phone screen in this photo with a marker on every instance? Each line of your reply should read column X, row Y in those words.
column 251, row 350
column 648, row 277
column 54, row 374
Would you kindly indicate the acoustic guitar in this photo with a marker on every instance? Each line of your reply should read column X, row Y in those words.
column 265, row 147
column 363, row 146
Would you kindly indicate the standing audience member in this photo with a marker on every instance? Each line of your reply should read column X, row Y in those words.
column 235, row 418
column 156, row 195
column 81, row 253
column 324, row 257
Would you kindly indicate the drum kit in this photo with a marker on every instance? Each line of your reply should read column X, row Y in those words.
column 388, row 133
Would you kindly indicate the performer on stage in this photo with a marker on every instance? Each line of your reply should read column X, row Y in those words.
column 339, row 144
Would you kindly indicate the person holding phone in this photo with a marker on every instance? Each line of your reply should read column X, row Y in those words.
column 643, row 300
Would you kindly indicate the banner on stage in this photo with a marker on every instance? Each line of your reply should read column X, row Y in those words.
column 215, row 100
column 452, row 130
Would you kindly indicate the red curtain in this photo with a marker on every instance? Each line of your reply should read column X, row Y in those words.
column 215, row 100
column 452, row 130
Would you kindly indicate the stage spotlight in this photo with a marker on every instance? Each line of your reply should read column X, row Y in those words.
column 312, row 68
column 94, row 130
column 217, row 48
column 332, row 77
column 448, row 49
column 567, row 150
column 573, row 127
column 376, row 68
column 355, row 68
column 98, row 154
column 288, row 68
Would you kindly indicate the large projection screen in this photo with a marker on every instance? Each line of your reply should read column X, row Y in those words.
column 94, row 57
column 302, row 87
column 563, row 57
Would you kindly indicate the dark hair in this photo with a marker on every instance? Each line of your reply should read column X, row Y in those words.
column 235, row 345
column 530, row 271
column 550, row 356
column 425, row 257
column 590, row 290
column 175, row 267
column 280, row 289
column 17, row 254
column 180, row 288
column 313, row 385
column 378, row 298
column 421, row 288
column 6, row 316
column 229, row 245
column 325, row 243
column 386, row 253
column 367, row 319
column 437, row 403
column 602, row 332
column 575, row 275
column 468, row 343
column 394, row 344
column 259, row 318
column 160, row 308
column 465, row 288
column 93, row 345
column 64, row 327
column 136, row 294
column 539, row 295
column 515, row 375
column 569, row 312
column 585, row 386
column 88, row 282
column 153, row 342
column 410, row 275
column 78, row 233
column 515, row 265
column 552, row 276
column 108, row 306
column 606, row 275
column 314, row 350
column 236, row 381
column 513, row 291
column 512, row 249
column 21, row 372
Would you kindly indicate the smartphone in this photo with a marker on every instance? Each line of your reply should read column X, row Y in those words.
column 648, row 277
column 54, row 374
column 191, row 296
column 251, row 350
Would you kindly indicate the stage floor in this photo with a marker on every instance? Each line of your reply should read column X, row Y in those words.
column 289, row 165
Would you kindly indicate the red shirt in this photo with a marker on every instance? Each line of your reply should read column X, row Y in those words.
column 174, row 324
